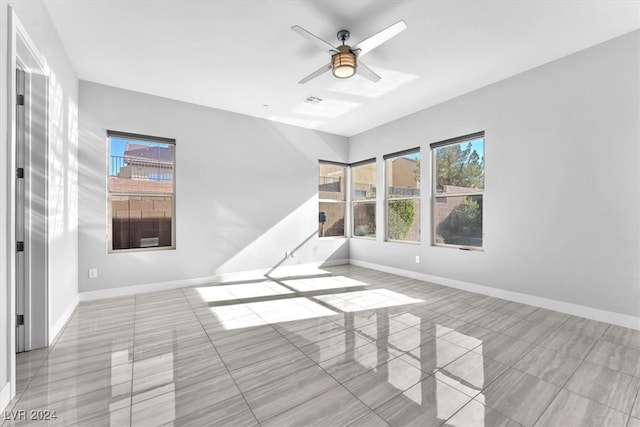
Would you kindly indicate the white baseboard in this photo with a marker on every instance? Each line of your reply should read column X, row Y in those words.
column 289, row 270
column 147, row 287
column 333, row 262
column 301, row 269
column 280, row 271
column 5, row 397
column 550, row 304
column 62, row 320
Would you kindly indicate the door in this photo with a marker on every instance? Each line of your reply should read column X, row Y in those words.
column 20, row 211
column 31, row 209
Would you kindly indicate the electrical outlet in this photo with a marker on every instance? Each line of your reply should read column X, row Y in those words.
column 93, row 273
column 417, row 259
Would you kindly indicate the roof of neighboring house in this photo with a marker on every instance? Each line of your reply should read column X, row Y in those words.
column 134, row 153
column 404, row 158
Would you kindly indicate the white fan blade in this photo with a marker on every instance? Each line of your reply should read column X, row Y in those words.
column 316, row 73
column 367, row 72
column 321, row 44
column 367, row 45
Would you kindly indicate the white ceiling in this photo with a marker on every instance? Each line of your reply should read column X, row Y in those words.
column 242, row 56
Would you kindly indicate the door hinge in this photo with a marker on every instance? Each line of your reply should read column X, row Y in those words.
column 20, row 173
column 20, row 246
column 20, row 100
column 20, row 320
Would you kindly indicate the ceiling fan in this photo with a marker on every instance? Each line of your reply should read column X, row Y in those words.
column 345, row 59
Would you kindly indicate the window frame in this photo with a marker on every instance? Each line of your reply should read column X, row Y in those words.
column 435, row 195
column 418, row 198
column 344, row 201
column 110, row 194
column 353, row 203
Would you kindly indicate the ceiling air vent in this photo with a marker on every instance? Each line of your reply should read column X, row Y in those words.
column 313, row 100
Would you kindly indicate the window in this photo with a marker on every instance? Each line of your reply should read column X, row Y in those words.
column 363, row 196
column 331, row 192
column 402, row 173
column 458, row 187
column 141, row 191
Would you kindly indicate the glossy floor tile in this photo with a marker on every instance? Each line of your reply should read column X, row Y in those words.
column 340, row 346
column 611, row 388
column 634, row 422
column 471, row 373
column 356, row 362
column 571, row 410
column 617, row 357
column 504, row 349
column 588, row 327
column 569, row 342
column 336, row 407
column 548, row 365
column 428, row 403
column 384, row 382
column 283, row 394
column 475, row 414
column 530, row 331
column 622, row 336
column 519, row 396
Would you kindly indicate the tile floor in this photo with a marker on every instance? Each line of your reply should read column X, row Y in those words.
column 344, row 346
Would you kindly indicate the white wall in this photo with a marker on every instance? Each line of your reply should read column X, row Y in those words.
column 246, row 191
column 62, row 169
column 562, row 201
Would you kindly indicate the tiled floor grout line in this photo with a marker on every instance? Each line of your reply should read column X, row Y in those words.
column 339, row 384
column 221, row 359
column 19, row 395
column 470, row 397
column 152, row 397
column 106, row 330
column 635, row 401
column 392, row 397
column 512, row 366
column 53, row 382
column 585, row 360
column 564, row 385
column 32, row 376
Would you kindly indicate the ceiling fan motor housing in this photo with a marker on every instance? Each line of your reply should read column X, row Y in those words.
column 343, row 35
column 344, row 62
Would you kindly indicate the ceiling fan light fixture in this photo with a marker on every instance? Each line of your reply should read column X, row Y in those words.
column 344, row 59
column 343, row 64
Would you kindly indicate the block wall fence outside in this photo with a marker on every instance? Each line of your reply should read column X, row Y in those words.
column 136, row 216
column 126, row 185
column 335, row 218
